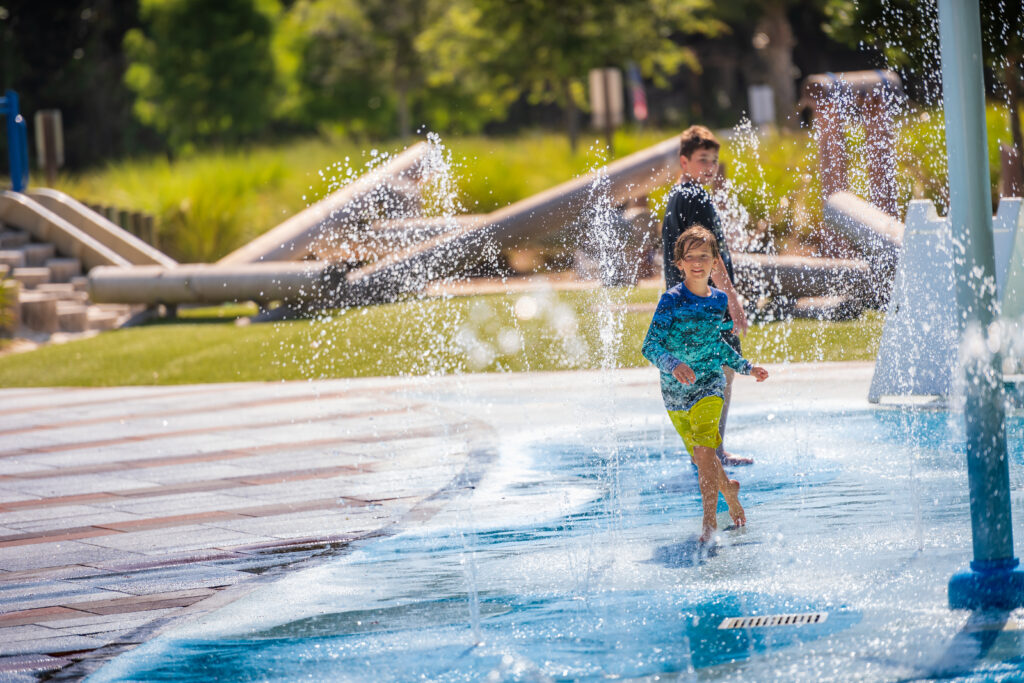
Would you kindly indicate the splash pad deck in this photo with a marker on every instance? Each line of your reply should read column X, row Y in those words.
column 567, row 551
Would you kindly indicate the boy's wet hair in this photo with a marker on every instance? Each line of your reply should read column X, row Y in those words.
column 696, row 138
column 694, row 236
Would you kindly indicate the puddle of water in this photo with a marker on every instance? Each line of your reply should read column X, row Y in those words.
column 569, row 564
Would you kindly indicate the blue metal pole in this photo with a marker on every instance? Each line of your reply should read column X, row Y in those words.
column 21, row 135
column 17, row 141
column 994, row 580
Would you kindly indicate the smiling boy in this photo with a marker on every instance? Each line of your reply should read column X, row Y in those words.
column 685, row 342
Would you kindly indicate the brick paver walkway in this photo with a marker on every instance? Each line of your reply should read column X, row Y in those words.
column 121, row 508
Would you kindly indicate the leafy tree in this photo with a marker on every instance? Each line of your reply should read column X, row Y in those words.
column 769, row 26
column 202, row 71
column 365, row 63
column 335, row 65
column 68, row 56
column 546, row 49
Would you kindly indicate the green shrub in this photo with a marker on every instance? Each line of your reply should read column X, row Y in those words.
column 7, row 303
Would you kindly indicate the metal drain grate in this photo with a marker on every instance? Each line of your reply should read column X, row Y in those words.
column 774, row 620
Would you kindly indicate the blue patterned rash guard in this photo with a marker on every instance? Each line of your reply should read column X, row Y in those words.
column 687, row 328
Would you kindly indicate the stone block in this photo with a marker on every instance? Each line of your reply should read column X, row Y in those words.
column 30, row 277
column 72, row 316
column 63, row 269
column 65, row 291
column 37, row 253
column 12, row 239
column 100, row 319
column 12, row 258
column 39, row 311
column 81, row 283
column 56, row 287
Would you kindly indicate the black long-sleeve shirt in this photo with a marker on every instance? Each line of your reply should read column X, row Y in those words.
column 689, row 204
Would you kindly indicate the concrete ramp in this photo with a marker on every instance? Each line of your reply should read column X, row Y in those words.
column 800, row 276
column 459, row 243
column 104, row 231
column 380, row 238
column 877, row 234
column 306, row 233
column 405, row 254
column 21, row 211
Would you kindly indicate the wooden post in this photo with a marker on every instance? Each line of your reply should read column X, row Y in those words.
column 881, row 143
column 828, row 129
column 49, row 142
column 1011, row 180
column 148, row 228
column 135, row 220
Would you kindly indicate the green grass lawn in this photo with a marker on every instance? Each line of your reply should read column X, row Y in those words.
column 486, row 333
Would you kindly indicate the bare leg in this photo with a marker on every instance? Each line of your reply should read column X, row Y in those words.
column 712, row 480
column 725, row 457
column 707, row 480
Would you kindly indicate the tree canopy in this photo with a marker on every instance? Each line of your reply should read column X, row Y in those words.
column 203, row 71
column 546, row 49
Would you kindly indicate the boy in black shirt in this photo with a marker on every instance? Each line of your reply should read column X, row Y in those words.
column 690, row 204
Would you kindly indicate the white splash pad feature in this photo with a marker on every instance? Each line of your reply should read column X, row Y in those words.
column 1009, row 252
column 1005, row 232
column 919, row 343
column 1009, row 248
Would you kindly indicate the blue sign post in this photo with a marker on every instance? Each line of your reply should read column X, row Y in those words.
column 17, row 140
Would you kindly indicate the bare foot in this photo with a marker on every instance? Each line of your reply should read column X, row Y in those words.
column 707, row 532
column 731, row 493
column 730, row 460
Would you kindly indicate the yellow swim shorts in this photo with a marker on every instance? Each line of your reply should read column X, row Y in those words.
column 699, row 425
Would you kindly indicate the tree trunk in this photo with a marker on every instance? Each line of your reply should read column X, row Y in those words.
column 402, row 105
column 1012, row 75
column 778, row 56
column 572, row 118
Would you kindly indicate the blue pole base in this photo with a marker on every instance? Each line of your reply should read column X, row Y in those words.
column 992, row 584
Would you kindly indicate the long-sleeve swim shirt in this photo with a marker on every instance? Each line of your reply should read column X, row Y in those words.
column 687, row 328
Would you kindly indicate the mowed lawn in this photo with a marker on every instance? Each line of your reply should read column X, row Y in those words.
column 545, row 330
